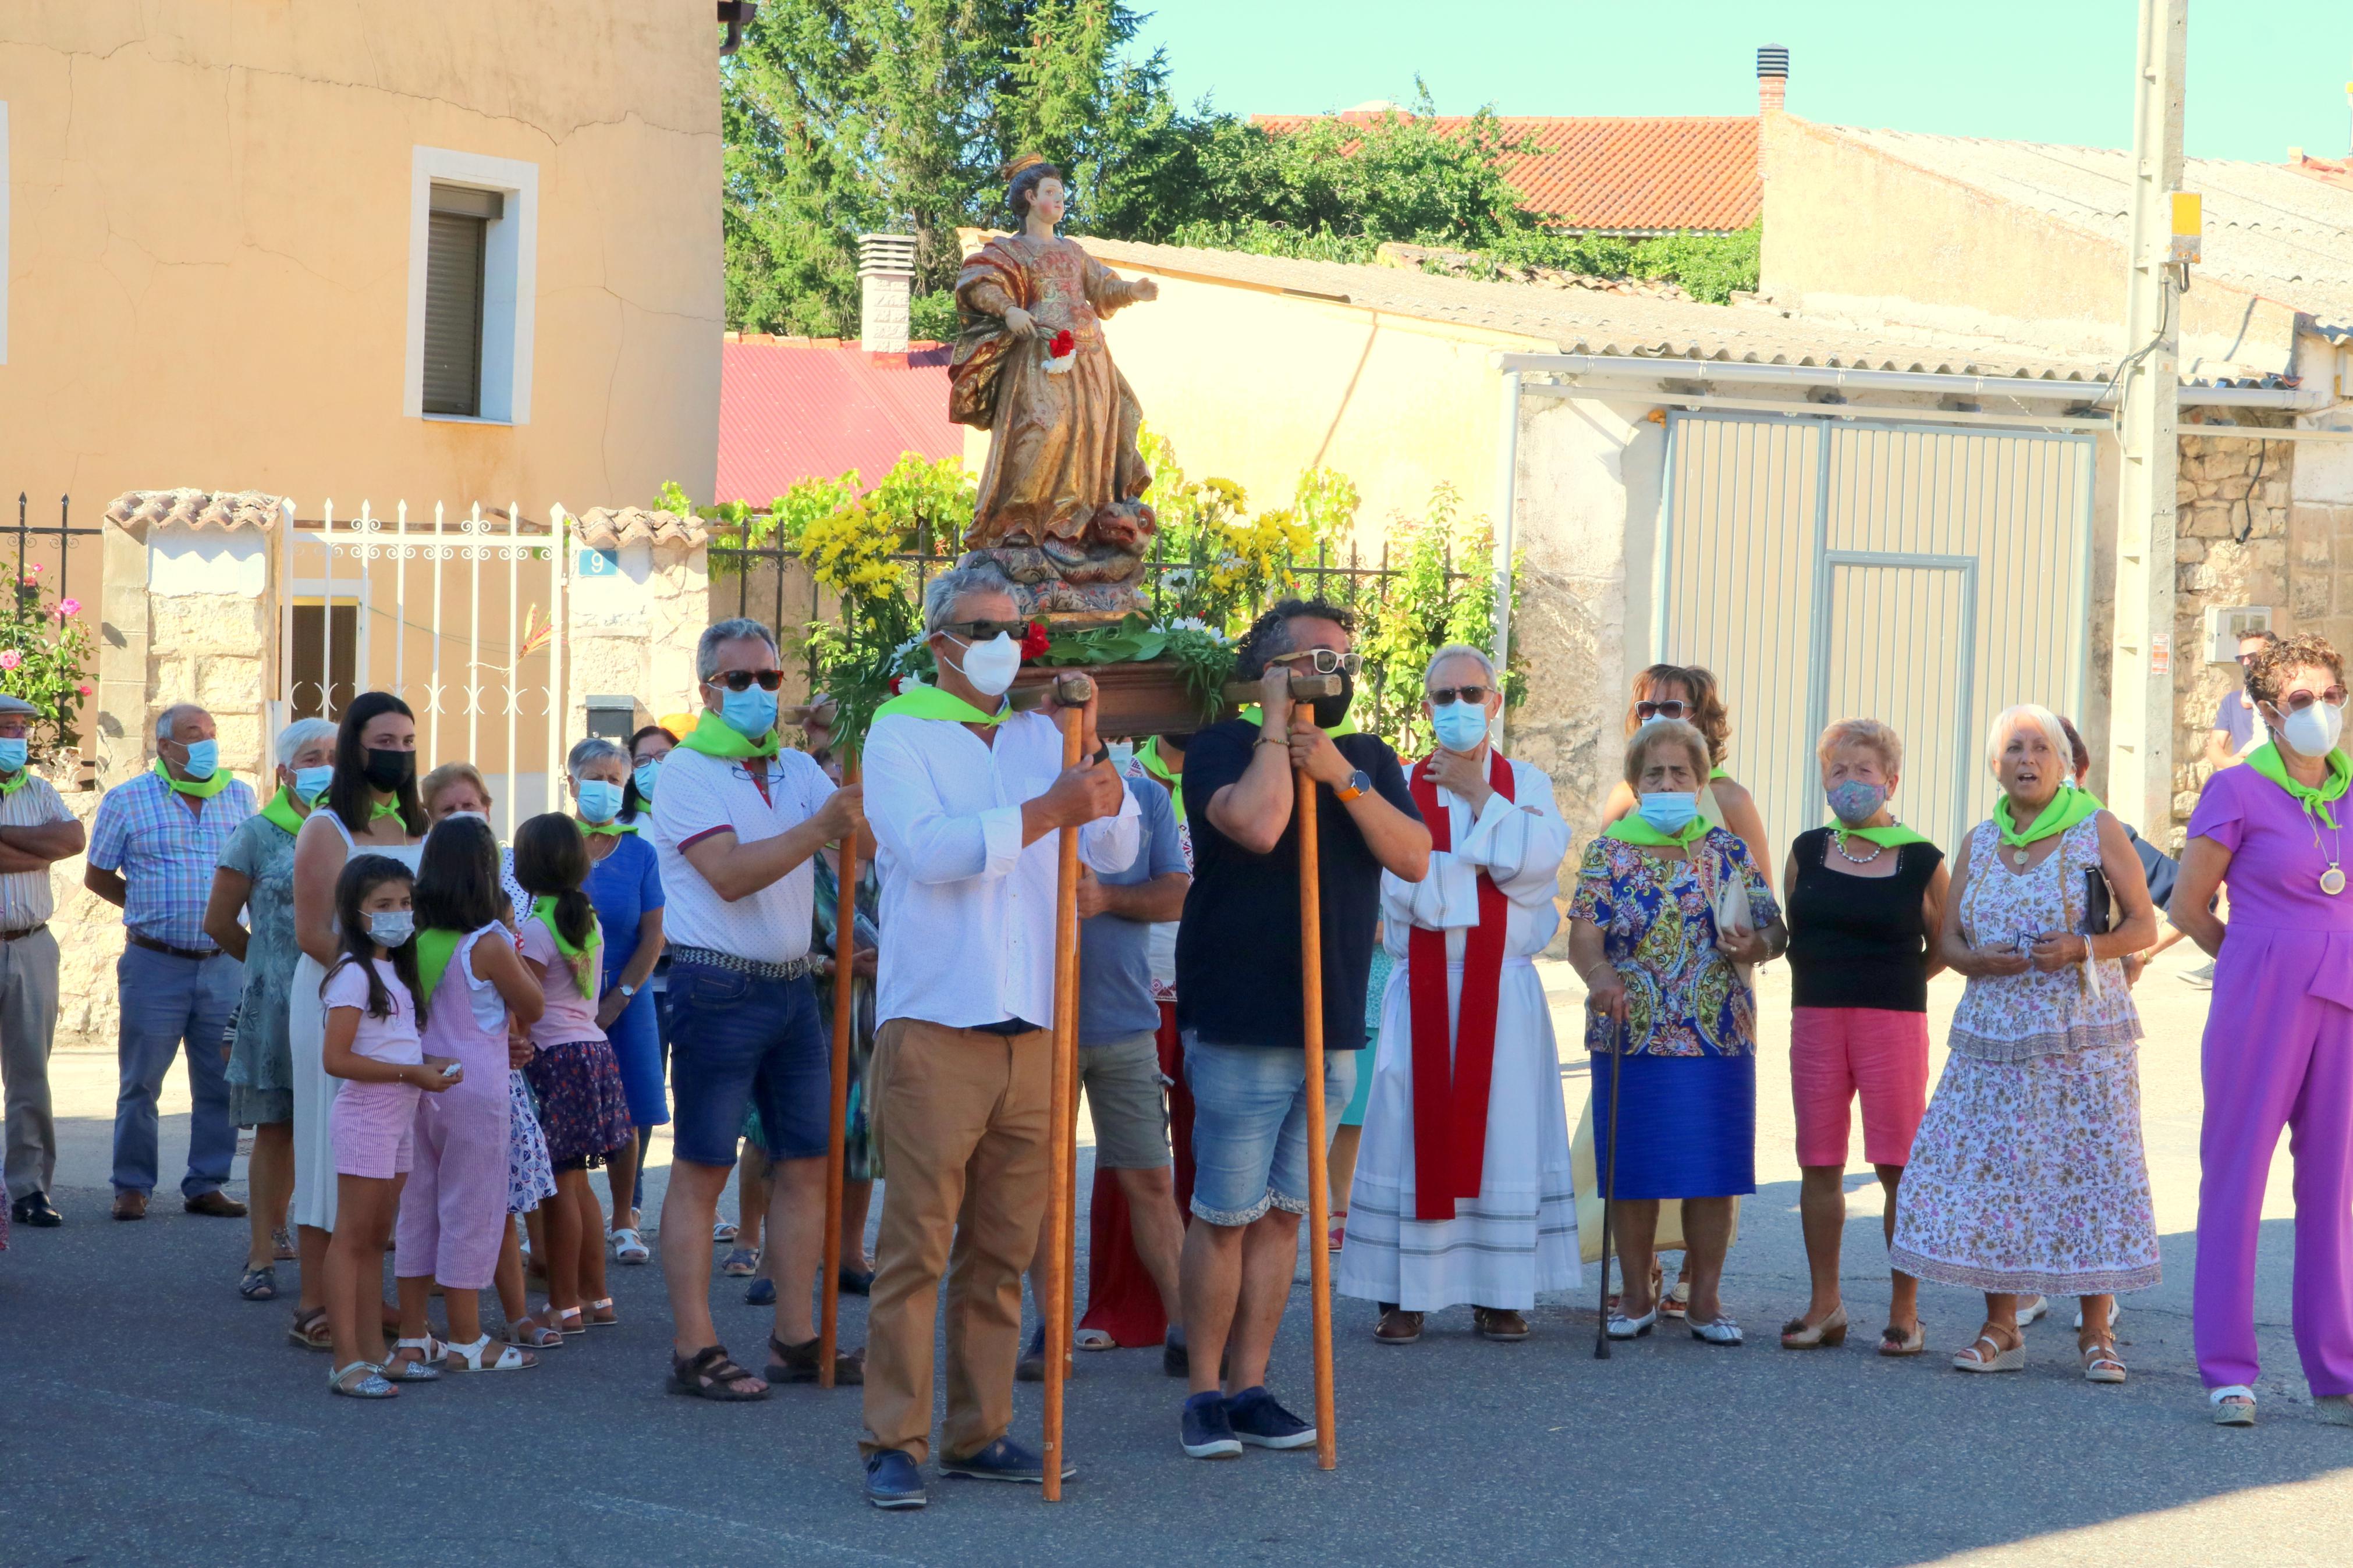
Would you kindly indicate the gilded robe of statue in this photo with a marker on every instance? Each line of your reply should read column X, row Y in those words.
column 1058, row 494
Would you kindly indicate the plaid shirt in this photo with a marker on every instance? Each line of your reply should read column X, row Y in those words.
column 167, row 854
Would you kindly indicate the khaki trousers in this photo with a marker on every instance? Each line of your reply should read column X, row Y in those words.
column 28, row 1026
column 963, row 1117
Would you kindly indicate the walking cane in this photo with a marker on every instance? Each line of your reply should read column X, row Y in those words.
column 1609, row 1193
column 1071, row 693
column 1319, row 1191
column 845, row 948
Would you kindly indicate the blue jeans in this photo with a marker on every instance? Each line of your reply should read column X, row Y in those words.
column 168, row 1002
column 737, row 1037
column 1250, row 1126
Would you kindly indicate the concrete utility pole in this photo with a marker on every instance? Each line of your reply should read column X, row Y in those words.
column 2140, row 713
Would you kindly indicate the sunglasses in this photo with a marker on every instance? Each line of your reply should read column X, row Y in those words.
column 1323, row 660
column 1670, row 708
column 987, row 631
column 1439, row 696
column 741, row 680
column 2297, row 701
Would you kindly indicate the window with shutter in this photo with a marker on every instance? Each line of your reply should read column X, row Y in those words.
column 455, row 245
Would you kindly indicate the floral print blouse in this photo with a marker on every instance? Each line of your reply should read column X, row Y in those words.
column 1658, row 926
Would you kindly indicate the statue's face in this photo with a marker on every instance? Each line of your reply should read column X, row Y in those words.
column 1048, row 200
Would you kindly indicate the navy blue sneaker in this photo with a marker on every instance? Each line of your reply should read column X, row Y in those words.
column 761, row 1292
column 892, row 1480
column 1003, row 1460
column 1258, row 1420
column 1173, row 1361
column 1206, row 1433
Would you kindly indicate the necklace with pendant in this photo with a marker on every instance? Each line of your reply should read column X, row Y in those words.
column 2332, row 881
column 2018, row 857
column 1838, row 842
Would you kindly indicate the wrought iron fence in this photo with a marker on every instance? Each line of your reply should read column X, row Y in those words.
column 45, row 556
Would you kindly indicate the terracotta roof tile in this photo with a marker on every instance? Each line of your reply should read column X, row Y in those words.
column 1621, row 173
column 612, row 528
column 797, row 408
column 136, row 510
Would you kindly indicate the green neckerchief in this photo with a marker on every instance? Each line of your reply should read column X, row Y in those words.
column 435, row 949
column 714, row 737
column 2067, row 809
column 1149, row 755
column 616, row 826
column 931, row 702
column 582, row 959
column 1347, row 726
column 379, row 809
column 201, row 789
column 1631, row 829
column 15, row 780
column 2266, row 760
column 280, row 810
column 1894, row 836
column 1715, row 774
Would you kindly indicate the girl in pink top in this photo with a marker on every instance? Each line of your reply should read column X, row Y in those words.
column 585, row 1108
column 372, row 1045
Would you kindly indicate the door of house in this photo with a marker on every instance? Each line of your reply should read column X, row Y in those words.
column 1925, row 576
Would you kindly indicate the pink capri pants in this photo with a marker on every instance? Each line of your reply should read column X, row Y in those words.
column 453, row 1216
column 1836, row 1053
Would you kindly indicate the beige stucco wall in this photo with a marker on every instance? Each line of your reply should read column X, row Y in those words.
column 208, row 261
column 1853, row 231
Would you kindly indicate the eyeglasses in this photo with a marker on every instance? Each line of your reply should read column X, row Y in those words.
column 2245, row 659
column 2297, row 701
column 1439, row 696
column 741, row 680
column 987, row 631
column 1671, row 709
column 1323, row 660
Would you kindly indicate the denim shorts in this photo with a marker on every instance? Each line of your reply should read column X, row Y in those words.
column 739, row 1039
column 1250, row 1126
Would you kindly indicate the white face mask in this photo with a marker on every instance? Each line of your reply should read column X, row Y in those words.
column 2313, row 732
column 991, row 665
column 1122, row 753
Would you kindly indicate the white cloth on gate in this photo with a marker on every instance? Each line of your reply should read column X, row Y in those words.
column 1519, row 1236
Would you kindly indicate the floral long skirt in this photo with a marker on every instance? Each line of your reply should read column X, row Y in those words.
column 2028, row 1177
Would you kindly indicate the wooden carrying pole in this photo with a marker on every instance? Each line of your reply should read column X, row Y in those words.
column 845, row 950
column 1071, row 693
column 1319, row 1191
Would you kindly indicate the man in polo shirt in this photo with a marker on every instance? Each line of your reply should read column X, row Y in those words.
column 734, row 823
column 35, row 831
column 152, row 852
column 1239, row 998
column 967, row 798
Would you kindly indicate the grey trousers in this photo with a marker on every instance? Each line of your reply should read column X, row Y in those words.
column 28, row 1025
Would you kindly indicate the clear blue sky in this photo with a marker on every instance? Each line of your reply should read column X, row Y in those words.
column 2264, row 75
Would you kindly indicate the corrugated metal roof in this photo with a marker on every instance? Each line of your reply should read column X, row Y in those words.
column 1619, row 173
column 797, row 408
column 2270, row 230
column 1584, row 320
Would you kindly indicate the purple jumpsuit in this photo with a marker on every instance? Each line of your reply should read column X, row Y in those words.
column 2278, row 1049
column 453, row 1214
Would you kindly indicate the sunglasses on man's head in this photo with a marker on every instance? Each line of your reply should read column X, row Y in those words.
column 1439, row 696
column 2297, row 701
column 987, row 631
column 741, row 680
column 1671, row 709
column 1322, row 660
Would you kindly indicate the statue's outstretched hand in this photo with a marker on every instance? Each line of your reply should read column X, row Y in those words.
column 1020, row 323
column 1147, row 289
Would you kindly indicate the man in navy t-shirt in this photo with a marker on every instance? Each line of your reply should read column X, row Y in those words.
column 2236, row 732
column 1240, row 999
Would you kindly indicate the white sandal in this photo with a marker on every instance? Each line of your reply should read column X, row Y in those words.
column 1622, row 1327
column 2100, row 1362
column 1722, row 1332
column 468, row 1358
column 629, row 1247
column 2011, row 1359
column 2234, row 1405
column 422, row 1370
column 2034, row 1310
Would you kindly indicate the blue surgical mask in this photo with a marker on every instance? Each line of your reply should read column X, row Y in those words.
column 1460, row 725
column 1122, row 753
column 1856, row 801
column 392, row 927
column 310, row 784
column 646, row 772
column 600, row 800
column 204, row 759
column 1670, row 810
column 750, row 713
column 12, row 753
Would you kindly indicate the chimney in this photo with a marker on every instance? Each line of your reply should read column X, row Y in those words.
column 1772, row 78
column 886, row 278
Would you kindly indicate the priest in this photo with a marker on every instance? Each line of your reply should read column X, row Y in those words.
column 1462, row 1193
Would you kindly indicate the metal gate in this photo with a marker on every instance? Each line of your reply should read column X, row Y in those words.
column 462, row 618
column 1925, row 575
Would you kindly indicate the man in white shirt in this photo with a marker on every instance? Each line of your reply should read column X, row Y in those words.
column 35, row 830
column 734, row 825
column 966, row 798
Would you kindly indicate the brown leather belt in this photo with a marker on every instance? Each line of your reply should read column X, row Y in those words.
column 152, row 945
column 7, row 936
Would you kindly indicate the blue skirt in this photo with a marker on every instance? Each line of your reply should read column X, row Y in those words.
column 1686, row 1126
column 637, row 1050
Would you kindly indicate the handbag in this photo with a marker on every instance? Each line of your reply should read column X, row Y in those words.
column 1734, row 916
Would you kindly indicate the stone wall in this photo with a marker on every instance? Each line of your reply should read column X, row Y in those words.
column 632, row 627
column 89, row 939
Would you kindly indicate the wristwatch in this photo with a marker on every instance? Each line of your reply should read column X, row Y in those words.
column 627, row 992
column 1358, row 782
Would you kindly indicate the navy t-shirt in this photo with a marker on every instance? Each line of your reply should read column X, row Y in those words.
column 1237, row 957
column 1114, row 952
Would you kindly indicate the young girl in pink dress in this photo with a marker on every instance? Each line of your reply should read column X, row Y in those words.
column 585, row 1108
column 372, row 1045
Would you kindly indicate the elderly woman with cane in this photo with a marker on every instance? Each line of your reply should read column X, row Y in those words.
column 1666, row 910
column 2027, row 1174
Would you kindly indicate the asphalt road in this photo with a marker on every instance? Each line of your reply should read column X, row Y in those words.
column 149, row 1416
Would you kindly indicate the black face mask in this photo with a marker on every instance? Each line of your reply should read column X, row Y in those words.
column 1331, row 710
column 387, row 770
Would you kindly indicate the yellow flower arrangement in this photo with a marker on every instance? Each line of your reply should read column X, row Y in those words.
column 849, row 551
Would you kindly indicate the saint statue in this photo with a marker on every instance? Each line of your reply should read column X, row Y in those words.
column 1060, row 507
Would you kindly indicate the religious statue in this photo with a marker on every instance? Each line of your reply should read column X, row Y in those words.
column 1060, row 507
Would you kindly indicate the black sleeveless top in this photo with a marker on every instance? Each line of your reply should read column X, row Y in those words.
column 1860, row 941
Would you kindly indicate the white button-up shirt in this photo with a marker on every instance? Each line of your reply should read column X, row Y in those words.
column 967, row 912
column 700, row 795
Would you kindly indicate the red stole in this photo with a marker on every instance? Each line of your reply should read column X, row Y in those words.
column 1450, row 1096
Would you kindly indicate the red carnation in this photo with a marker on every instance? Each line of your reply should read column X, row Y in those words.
column 1065, row 344
column 1033, row 641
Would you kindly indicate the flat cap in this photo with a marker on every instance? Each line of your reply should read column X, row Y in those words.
column 16, row 705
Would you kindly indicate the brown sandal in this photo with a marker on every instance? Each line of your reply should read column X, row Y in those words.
column 709, row 1374
column 798, row 1364
column 310, row 1330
